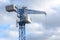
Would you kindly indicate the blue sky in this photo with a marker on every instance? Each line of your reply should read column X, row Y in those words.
column 41, row 28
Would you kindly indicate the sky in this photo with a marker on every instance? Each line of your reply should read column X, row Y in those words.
column 41, row 28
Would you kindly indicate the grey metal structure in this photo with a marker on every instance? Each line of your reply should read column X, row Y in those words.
column 23, row 16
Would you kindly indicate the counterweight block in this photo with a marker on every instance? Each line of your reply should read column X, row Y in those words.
column 11, row 8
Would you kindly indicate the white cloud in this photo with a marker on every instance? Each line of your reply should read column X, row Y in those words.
column 37, row 33
column 34, row 26
column 55, row 35
column 4, row 1
column 7, row 18
column 9, row 34
column 13, row 34
column 13, row 27
column 58, row 30
column 3, row 39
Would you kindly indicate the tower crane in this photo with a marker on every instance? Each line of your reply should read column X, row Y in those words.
column 23, row 16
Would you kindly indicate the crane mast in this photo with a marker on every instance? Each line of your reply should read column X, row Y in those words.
column 22, row 23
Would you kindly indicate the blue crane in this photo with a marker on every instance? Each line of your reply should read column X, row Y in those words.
column 23, row 16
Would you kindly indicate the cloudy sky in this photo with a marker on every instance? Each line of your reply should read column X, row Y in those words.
column 41, row 28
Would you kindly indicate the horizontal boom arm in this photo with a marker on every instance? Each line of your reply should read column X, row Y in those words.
column 35, row 12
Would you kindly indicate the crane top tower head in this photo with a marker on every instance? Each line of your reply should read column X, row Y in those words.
column 23, row 14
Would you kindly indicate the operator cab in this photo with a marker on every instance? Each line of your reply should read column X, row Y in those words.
column 26, row 20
